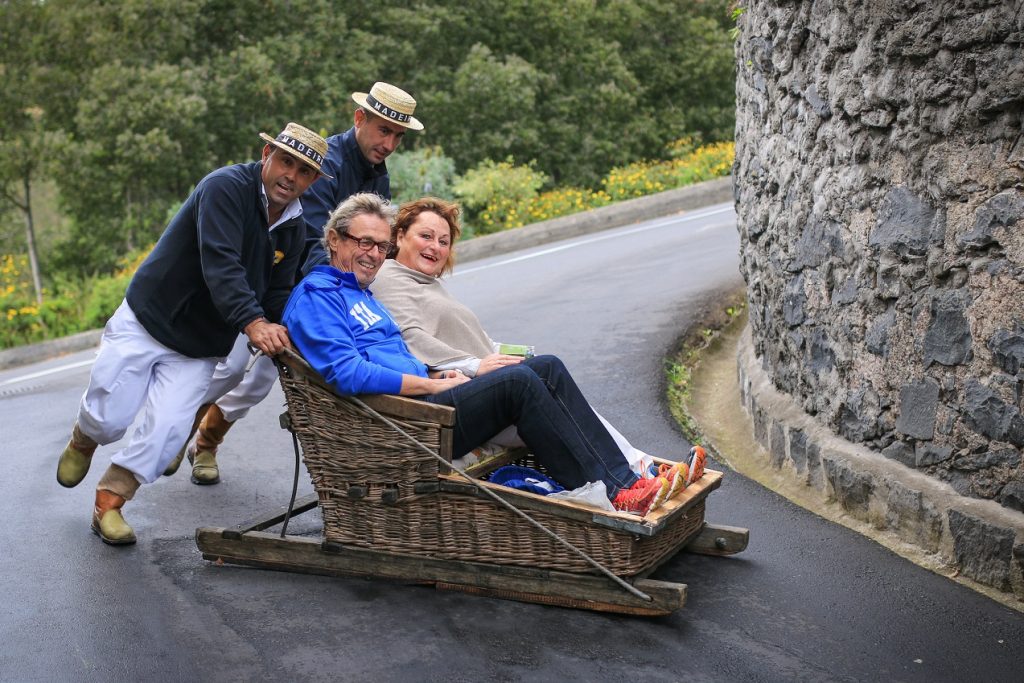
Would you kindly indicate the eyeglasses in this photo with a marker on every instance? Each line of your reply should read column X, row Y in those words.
column 366, row 244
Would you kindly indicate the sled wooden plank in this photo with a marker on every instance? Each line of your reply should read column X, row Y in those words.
column 404, row 408
column 269, row 519
column 621, row 521
column 576, row 603
column 306, row 555
column 487, row 466
column 716, row 539
column 391, row 405
column 693, row 493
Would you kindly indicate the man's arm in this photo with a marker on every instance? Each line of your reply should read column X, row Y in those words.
column 317, row 325
column 220, row 225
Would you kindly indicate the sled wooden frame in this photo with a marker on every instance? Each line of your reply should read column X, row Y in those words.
column 249, row 544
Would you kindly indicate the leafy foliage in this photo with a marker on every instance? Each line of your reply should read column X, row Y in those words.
column 123, row 106
column 422, row 171
column 497, row 195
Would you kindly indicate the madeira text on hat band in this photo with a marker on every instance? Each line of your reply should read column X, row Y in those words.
column 301, row 148
column 386, row 111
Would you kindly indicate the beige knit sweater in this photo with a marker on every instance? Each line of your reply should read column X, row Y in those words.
column 427, row 314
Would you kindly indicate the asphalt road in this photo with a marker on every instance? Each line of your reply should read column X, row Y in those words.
column 808, row 601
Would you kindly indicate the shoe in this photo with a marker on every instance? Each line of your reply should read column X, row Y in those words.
column 75, row 460
column 677, row 475
column 644, row 496
column 72, row 466
column 204, row 466
column 173, row 466
column 107, row 521
column 696, row 461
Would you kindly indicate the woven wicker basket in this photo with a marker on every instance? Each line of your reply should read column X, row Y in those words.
column 378, row 490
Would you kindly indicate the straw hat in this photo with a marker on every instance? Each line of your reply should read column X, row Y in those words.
column 302, row 143
column 391, row 103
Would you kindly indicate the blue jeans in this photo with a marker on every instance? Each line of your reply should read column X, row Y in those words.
column 553, row 418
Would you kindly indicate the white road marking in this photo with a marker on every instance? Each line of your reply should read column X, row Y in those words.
column 604, row 236
column 51, row 371
column 462, row 271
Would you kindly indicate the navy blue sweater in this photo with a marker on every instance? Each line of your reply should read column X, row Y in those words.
column 351, row 173
column 216, row 268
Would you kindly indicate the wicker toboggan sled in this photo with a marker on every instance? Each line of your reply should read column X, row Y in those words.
column 393, row 509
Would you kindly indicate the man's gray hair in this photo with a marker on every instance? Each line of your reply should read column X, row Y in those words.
column 359, row 204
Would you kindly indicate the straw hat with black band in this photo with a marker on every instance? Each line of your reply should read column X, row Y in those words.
column 302, row 143
column 391, row 103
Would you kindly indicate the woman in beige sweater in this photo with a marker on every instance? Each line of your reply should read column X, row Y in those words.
column 445, row 334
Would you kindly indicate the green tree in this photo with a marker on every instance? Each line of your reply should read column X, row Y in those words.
column 481, row 121
column 142, row 147
column 24, row 143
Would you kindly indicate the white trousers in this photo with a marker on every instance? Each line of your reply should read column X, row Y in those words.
column 233, row 389
column 134, row 372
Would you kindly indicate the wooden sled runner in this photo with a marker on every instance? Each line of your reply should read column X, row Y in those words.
column 393, row 510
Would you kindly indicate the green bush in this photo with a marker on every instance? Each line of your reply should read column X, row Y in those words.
column 497, row 195
column 73, row 305
column 424, row 171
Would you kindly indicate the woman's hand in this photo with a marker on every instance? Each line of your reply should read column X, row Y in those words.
column 497, row 360
column 436, row 382
column 447, row 379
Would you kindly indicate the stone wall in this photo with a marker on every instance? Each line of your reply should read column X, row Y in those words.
column 880, row 194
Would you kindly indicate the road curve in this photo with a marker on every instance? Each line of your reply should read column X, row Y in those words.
column 809, row 600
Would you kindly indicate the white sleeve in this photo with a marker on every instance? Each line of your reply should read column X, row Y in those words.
column 468, row 366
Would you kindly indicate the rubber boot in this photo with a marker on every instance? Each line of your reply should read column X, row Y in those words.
column 75, row 460
column 173, row 466
column 115, row 488
column 203, row 455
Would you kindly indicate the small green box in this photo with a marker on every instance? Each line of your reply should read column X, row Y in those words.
column 524, row 350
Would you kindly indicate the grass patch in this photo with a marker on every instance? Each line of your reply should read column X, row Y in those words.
column 683, row 361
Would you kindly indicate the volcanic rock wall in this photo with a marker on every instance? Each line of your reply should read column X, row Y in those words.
column 880, row 194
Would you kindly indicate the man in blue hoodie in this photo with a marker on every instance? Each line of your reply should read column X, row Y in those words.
column 354, row 163
column 225, row 265
column 348, row 337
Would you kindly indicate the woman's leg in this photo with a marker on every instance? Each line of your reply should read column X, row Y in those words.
column 545, row 405
column 638, row 460
column 576, row 408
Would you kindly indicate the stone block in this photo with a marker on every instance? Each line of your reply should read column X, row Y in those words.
column 798, row 449
column 983, row 551
column 928, row 454
column 888, row 283
column 1012, row 493
column 876, row 340
column 998, row 457
column 918, row 403
column 912, row 518
column 904, row 223
column 948, row 337
column 847, row 293
column 1001, row 211
column 820, row 356
column 990, row 416
column 760, row 425
column 777, row 446
column 815, row 473
column 819, row 243
column 850, row 488
column 1007, row 347
column 901, row 452
column 794, row 301
column 818, row 105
